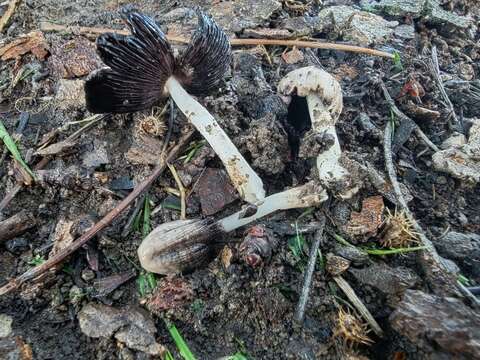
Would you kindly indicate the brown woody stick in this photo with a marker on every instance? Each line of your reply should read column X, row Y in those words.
column 95, row 31
column 103, row 223
column 12, row 6
column 16, row 225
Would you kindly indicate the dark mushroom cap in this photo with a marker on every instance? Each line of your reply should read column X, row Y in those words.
column 139, row 64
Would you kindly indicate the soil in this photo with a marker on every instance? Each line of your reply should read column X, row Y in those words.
column 230, row 306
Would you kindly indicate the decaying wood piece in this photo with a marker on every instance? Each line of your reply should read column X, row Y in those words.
column 16, row 225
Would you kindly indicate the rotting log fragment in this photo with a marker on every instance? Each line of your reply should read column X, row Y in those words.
column 16, row 225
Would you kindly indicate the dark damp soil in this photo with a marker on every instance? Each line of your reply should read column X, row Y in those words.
column 231, row 306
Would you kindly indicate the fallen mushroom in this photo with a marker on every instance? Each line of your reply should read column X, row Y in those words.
column 181, row 245
column 324, row 99
column 142, row 69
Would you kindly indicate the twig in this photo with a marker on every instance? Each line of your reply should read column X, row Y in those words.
column 181, row 189
column 358, row 304
column 16, row 225
column 436, row 75
column 95, row 31
column 405, row 118
column 307, row 282
column 103, row 223
column 12, row 6
column 441, row 281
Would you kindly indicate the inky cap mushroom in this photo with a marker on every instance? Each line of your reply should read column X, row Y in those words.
column 142, row 69
column 324, row 98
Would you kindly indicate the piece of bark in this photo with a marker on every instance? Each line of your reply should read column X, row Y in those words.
column 16, row 225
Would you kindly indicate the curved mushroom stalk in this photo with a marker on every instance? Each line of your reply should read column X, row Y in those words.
column 180, row 245
column 325, row 102
column 142, row 69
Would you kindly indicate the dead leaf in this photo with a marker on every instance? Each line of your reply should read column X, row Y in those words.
column 170, row 293
column 226, row 256
column 293, row 56
column 367, row 222
column 33, row 42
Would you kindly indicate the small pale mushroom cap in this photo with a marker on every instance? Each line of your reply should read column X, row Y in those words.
column 311, row 80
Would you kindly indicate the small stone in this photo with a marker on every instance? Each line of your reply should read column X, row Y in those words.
column 129, row 325
column 17, row 245
column 14, row 348
column 441, row 180
column 405, row 31
column 463, row 248
column 389, row 280
column 5, row 325
column 215, row 191
column 70, row 94
column 235, row 16
column 88, row 275
column 75, row 295
column 456, row 139
column 97, row 157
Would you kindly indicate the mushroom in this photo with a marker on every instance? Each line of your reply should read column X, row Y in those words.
column 324, row 99
column 142, row 69
column 181, row 245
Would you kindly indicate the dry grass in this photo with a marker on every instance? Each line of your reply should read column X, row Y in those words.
column 351, row 328
column 398, row 231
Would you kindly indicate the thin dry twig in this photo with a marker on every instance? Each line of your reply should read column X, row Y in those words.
column 404, row 117
column 438, row 80
column 439, row 278
column 103, row 223
column 358, row 304
column 181, row 190
column 5, row 19
column 307, row 282
column 95, row 31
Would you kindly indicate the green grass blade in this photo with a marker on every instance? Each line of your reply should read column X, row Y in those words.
column 381, row 252
column 146, row 218
column 181, row 344
column 12, row 147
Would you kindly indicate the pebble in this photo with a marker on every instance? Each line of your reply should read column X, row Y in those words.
column 88, row 275
column 5, row 325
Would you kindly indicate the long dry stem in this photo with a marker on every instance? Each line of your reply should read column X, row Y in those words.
column 95, row 31
column 103, row 223
column 181, row 190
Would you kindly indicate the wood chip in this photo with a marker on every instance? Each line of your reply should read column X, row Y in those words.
column 33, row 42
column 293, row 56
column 367, row 222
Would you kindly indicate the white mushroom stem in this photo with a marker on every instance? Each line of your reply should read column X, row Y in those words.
column 179, row 245
column 246, row 181
column 324, row 99
column 299, row 197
